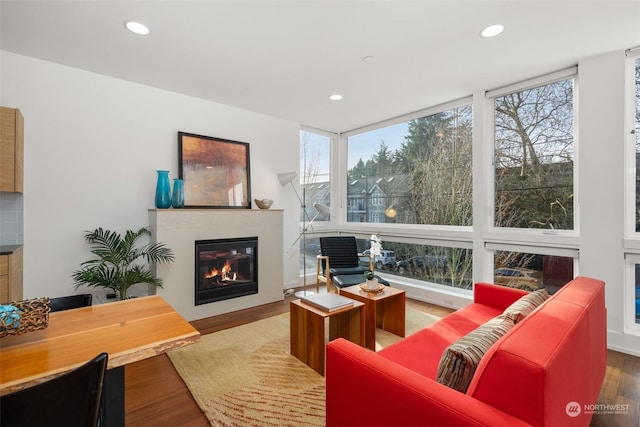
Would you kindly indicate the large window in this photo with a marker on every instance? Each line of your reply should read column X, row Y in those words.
column 415, row 172
column 316, row 192
column 529, row 271
column 451, row 267
column 631, row 307
column 534, row 139
column 632, row 277
column 637, row 137
column 635, row 293
column 314, row 174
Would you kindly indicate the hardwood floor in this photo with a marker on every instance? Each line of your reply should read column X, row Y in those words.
column 156, row 395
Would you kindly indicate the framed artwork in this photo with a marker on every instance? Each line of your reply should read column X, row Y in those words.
column 215, row 172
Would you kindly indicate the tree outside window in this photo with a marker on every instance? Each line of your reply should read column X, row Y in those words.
column 314, row 180
column 314, row 172
column 534, row 158
column 416, row 172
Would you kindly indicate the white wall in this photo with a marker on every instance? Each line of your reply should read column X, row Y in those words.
column 92, row 146
column 601, row 186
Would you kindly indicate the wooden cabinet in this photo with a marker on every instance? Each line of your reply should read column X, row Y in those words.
column 11, row 150
column 11, row 276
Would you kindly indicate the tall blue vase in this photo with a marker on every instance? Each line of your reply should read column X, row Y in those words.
column 177, row 196
column 163, row 190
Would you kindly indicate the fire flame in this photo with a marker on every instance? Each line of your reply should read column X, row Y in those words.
column 225, row 273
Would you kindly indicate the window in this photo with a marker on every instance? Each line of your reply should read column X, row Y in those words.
column 637, row 137
column 533, row 157
column 414, row 172
column 316, row 186
column 632, row 294
column 635, row 293
column 532, row 271
column 632, row 272
column 451, row 267
column 314, row 172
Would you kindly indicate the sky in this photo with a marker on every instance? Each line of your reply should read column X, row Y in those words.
column 360, row 146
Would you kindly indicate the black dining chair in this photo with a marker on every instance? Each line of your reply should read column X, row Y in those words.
column 72, row 301
column 70, row 400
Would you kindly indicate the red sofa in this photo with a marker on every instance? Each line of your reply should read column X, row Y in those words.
column 542, row 372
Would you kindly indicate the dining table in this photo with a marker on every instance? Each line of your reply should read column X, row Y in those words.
column 128, row 331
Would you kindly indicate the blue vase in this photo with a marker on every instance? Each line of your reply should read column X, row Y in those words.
column 163, row 190
column 177, row 197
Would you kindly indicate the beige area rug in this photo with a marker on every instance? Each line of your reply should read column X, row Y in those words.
column 245, row 376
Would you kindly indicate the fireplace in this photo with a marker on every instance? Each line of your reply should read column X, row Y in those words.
column 225, row 268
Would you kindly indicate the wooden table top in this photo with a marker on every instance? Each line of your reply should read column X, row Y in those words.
column 387, row 291
column 128, row 331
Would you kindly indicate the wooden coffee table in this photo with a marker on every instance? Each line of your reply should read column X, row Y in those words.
column 307, row 327
column 385, row 310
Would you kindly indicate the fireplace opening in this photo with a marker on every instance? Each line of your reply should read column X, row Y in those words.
column 226, row 268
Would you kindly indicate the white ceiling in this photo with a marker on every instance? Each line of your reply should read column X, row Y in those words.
column 284, row 58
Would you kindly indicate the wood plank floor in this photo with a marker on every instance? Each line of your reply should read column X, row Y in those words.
column 157, row 396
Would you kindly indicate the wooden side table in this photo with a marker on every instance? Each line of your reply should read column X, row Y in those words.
column 307, row 327
column 385, row 310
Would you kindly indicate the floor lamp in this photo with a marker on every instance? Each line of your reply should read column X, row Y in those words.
column 287, row 178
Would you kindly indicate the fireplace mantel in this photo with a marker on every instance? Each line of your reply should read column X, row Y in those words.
column 178, row 229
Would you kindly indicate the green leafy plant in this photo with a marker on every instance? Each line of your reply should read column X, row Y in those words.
column 120, row 261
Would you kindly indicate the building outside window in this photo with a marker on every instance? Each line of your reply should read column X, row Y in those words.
column 419, row 171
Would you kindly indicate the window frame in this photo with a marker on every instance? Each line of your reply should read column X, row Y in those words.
column 629, row 312
column 632, row 237
column 344, row 166
column 535, row 237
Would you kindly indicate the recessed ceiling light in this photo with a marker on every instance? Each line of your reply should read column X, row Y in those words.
column 492, row 30
column 335, row 97
column 136, row 27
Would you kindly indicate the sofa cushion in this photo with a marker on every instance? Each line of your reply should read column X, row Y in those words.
column 460, row 360
column 468, row 318
column 431, row 342
column 525, row 305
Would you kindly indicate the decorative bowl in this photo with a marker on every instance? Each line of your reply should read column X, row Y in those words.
column 264, row 203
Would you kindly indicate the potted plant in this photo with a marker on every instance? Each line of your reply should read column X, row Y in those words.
column 120, row 261
column 371, row 280
column 375, row 250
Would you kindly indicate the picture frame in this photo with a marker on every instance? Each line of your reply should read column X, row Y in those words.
column 215, row 171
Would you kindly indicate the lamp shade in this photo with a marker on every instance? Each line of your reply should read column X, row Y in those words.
column 324, row 210
column 286, row 177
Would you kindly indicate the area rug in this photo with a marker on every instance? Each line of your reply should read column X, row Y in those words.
column 245, row 376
